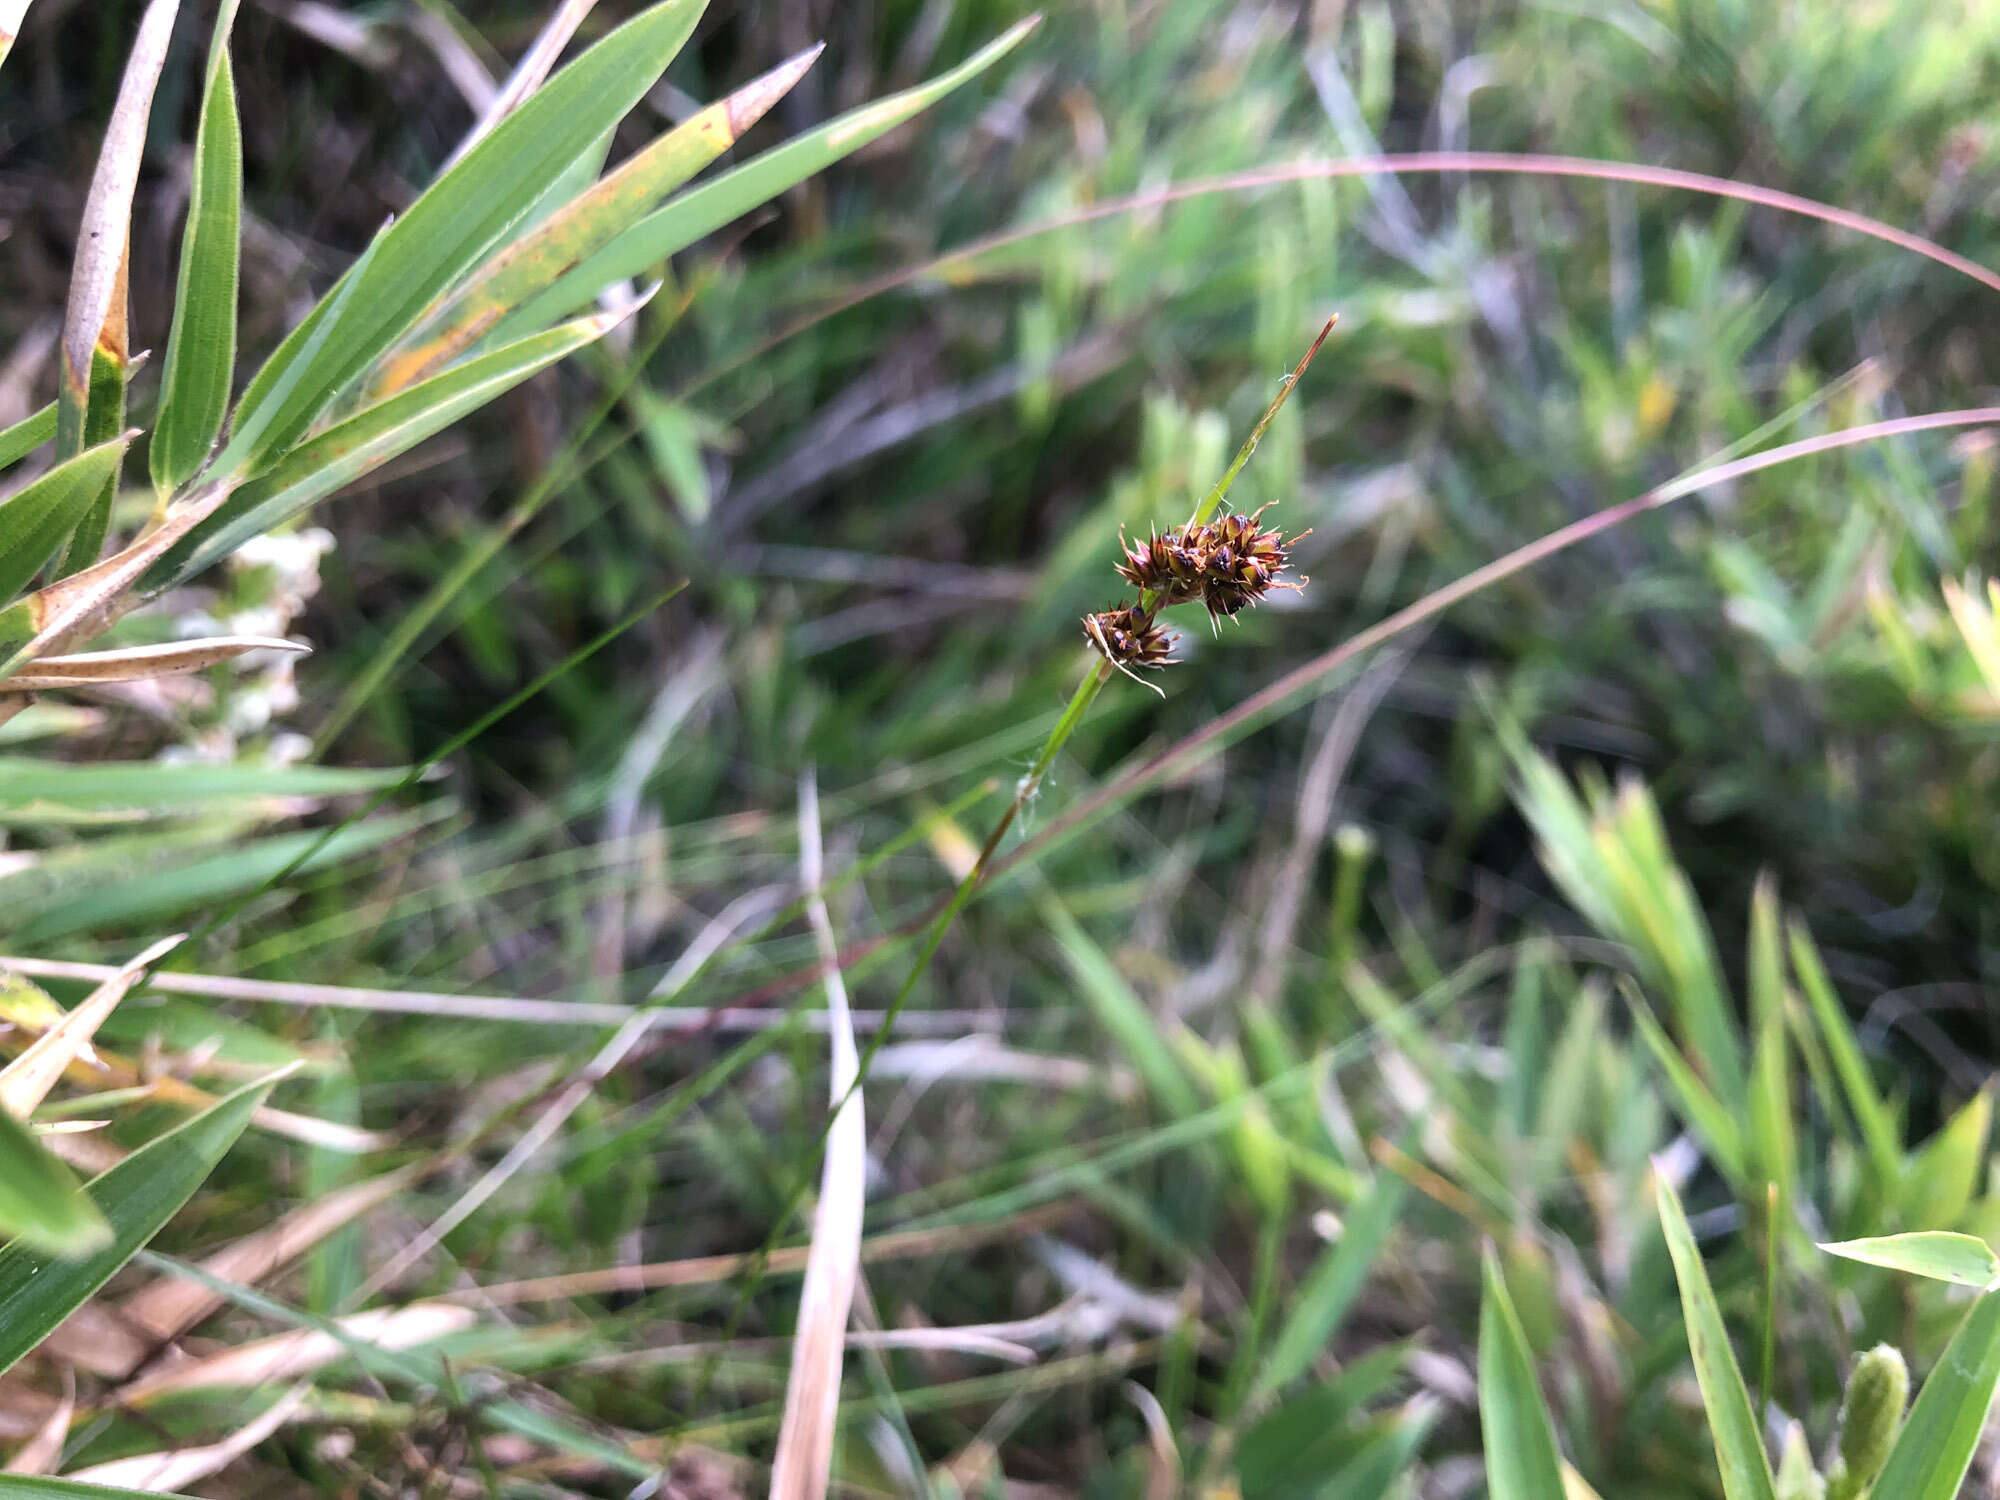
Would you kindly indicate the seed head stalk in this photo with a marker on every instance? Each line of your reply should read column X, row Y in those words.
column 1100, row 672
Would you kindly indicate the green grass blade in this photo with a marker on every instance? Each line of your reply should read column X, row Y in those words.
column 201, row 348
column 707, row 208
column 1522, row 1462
column 1871, row 1112
column 102, row 423
column 1936, row 1444
column 582, row 226
column 372, row 436
column 455, row 223
column 1333, row 1284
column 1721, row 1131
column 41, row 1204
column 1938, row 1185
column 1739, row 1449
column 35, row 1487
column 35, row 520
column 1132, row 1027
column 26, row 435
column 1962, row 1259
column 136, row 1197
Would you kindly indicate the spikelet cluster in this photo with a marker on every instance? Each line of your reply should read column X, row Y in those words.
column 1227, row 564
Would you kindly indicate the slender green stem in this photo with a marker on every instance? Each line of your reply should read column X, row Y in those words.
column 1215, row 496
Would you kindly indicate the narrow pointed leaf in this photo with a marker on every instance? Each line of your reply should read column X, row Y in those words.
column 459, row 219
column 140, row 663
column 1333, row 1284
column 1871, row 1114
column 1938, row 1185
column 36, row 518
column 1721, row 1131
column 1522, row 1462
column 32, row 1487
column 1936, row 1444
column 1962, row 1259
column 26, row 435
column 97, row 282
column 201, row 349
column 1739, row 1445
column 41, row 1203
column 136, row 1197
column 707, row 208
column 105, row 420
column 372, row 436
column 582, row 226
column 26, row 1081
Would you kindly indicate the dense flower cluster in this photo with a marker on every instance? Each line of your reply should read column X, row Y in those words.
column 1228, row 564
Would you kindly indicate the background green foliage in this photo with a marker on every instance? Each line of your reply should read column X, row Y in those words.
column 1520, row 943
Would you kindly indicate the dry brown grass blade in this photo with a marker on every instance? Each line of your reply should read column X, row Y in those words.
column 171, row 1471
column 301, row 1351
column 174, row 1303
column 39, row 1454
column 706, row 1270
column 79, row 606
column 139, row 663
column 529, row 73
column 803, row 1463
column 26, row 1081
column 96, row 289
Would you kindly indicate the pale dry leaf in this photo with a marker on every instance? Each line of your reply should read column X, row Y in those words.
column 174, row 1303
column 140, row 663
column 803, row 1463
column 168, row 1472
column 301, row 1351
column 97, row 280
column 39, row 1454
column 26, row 1081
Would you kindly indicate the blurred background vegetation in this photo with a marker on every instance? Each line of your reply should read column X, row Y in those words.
column 1227, row 1090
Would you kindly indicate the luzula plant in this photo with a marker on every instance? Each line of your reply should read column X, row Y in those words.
column 487, row 278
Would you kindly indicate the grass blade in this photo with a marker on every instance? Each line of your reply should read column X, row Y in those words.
column 201, row 348
column 25, row 1082
column 709, row 207
column 26, row 435
column 582, row 226
column 97, row 280
column 137, row 1197
column 1962, row 1259
column 1871, row 1113
column 1333, row 1284
column 1739, row 1449
column 373, row 436
column 1936, row 1444
column 41, row 1203
column 455, row 222
column 1522, row 1462
column 35, row 519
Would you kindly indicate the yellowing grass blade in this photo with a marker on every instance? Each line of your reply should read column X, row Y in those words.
column 26, row 1081
column 301, row 1351
column 584, row 225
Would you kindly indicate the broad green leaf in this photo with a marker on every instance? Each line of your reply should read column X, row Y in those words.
column 1332, row 1285
column 1871, row 1114
column 1935, row 1447
column 1739, row 1445
column 201, row 349
column 35, row 519
column 1961, row 1259
column 1522, row 1462
column 705, row 209
column 41, row 1204
column 26, row 435
column 372, row 436
column 1938, row 1184
column 457, row 220
column 582, row 226
column 136, row 1197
